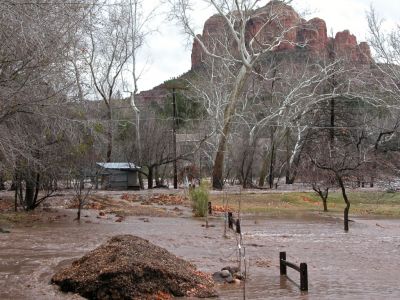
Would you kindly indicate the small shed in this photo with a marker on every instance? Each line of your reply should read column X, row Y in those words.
column 120, row 175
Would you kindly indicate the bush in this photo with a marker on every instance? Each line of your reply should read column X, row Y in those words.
column 199, row 197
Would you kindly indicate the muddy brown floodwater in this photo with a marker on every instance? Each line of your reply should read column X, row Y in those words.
column 361, row 264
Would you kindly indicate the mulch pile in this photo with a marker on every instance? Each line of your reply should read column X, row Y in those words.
column 129, row 267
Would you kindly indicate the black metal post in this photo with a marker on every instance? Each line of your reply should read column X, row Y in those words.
column 209, row 208
column 303, row 277
column 174, row 133
column 282, row 265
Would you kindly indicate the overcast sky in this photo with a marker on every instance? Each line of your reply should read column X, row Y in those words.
column 167, row 53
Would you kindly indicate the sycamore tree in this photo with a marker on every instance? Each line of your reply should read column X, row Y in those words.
column 275, row 111
column 107, row 52
column 386, row 75
column 244, row 38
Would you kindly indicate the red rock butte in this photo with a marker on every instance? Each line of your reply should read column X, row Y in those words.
column 282, row 20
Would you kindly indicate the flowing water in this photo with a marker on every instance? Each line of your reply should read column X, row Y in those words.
column 361, row 264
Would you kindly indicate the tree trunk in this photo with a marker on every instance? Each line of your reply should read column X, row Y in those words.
column 332, row 119
column 248, row 175
column 2, row 187
column 150, row 178
column 157, row 176
column 29, row 194
column 294, row 166
column 218, row 169
column 32, row 186
column 13, row 185
column 109, row 135
column 271, row 168
column 294, row 161
column 323, row 195
column 78, row 214
column 287, row 177
column 264, row 169
column 346, row 200
column 16, row 200
column 20, row 193
column 37, row 188
column 266, row 161
column 325, row 203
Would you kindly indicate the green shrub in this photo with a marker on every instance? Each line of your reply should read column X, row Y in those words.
column 199, row 198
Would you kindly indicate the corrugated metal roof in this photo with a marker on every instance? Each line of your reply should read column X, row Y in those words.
column 119, row 166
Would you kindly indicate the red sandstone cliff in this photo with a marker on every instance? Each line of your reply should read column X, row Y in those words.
column 302, row 34
column 297, row 33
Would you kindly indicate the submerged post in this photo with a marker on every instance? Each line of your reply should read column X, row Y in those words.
column 303, row 277
column 282, row 264
column 238, row 230
column 230, row 220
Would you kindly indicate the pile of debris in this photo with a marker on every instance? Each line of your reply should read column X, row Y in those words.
column 92, row 202
column 222, row 209
column 164, row 199
column 133, row 197
column 6, row 204
column 160, row 199
column 129, row 267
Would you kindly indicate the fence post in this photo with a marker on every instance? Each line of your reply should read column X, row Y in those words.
column 209, row 208
column 238, row 230
column 282, row 265
column 230, row 220
column 303, row 277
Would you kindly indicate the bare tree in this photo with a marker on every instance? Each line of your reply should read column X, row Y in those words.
column 341, row 159
column 239, row 48
column 386, row 46
column 107, row 52
column 34, row 86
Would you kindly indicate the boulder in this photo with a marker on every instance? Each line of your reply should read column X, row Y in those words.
column 129, row 267
column 230, row 279
column 218, row 278
column 225, row 273
column 230, row 269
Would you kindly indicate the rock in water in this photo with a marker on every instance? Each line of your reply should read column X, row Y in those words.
column 4, row 230
column 225, row 273
column 129, row 267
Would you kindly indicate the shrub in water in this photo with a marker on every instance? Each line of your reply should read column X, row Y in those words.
column 199, row 197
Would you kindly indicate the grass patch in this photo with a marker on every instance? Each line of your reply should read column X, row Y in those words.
column 362, row 203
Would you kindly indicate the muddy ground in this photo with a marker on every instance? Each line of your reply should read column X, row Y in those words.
column 361, row 264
